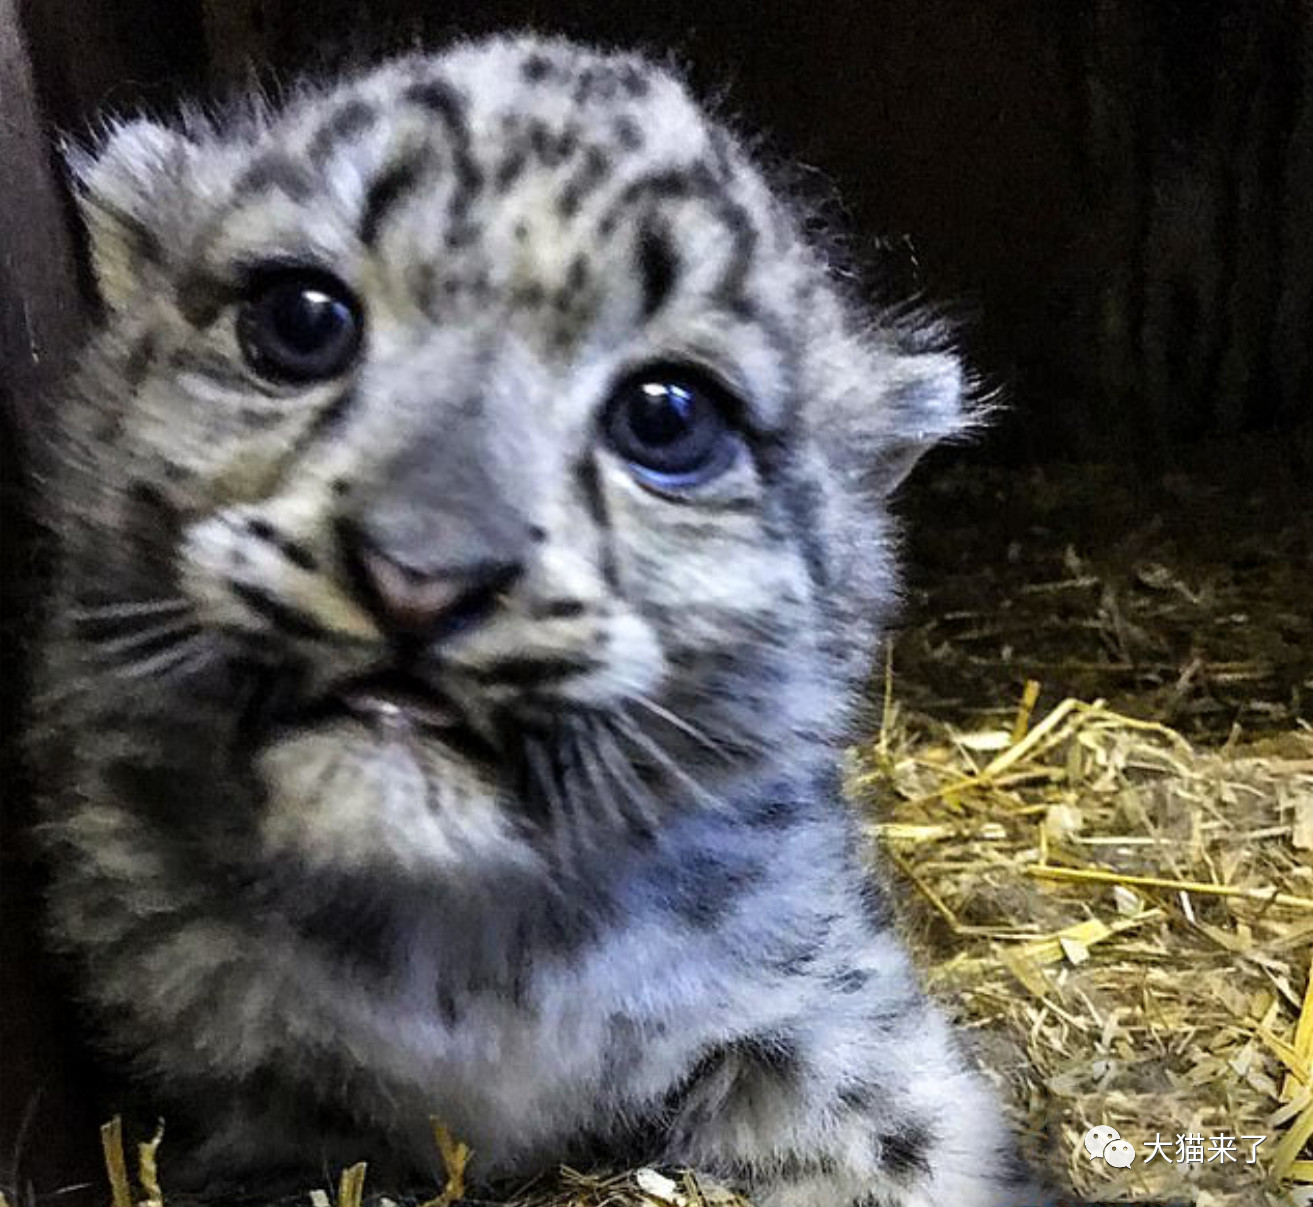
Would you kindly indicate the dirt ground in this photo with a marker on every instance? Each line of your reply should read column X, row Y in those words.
column 1185, row 597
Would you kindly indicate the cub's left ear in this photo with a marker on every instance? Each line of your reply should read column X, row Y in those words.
column 126, row 188
column 921, row 404
column 881, row 409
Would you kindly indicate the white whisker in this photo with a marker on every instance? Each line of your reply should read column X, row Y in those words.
column 165, row 661
column 636, row 734
column 698, row 735
column 180, row 627
column 129, row 611
column 636, row 793
column 594, row 771
column 543, row 772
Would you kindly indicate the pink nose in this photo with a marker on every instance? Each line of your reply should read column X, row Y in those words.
column 428, row 603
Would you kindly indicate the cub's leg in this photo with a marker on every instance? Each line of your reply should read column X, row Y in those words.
column 868, row 1109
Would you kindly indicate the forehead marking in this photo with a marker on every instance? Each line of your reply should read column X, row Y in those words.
column 697, row 182
column 590, row 175
column 388, row 189
column 347, row 122
column 658, row 265
column 396, row 181
column 627, row 133
column 274, row 171
column 446, row 104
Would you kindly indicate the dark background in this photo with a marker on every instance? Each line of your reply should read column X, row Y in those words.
column 1115, row 193
column 1116, row 196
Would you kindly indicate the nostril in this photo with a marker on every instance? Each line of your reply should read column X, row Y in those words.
column 469, row 609
column 430, row 602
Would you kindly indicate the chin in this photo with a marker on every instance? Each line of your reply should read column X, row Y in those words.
column 386, row 795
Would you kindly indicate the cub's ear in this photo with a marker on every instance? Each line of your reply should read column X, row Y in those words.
column 922, row 402
column 125, row 187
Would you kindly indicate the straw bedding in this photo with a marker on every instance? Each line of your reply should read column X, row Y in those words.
column 1125, row 922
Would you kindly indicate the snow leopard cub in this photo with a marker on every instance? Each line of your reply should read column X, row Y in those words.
column 473, row 539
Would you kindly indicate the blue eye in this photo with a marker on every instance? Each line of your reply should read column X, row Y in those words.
column 298, row 326
column 672, row 426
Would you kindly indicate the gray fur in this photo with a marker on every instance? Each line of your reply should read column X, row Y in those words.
column 634, row 920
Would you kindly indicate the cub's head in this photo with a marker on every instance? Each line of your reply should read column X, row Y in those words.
column 478, row 450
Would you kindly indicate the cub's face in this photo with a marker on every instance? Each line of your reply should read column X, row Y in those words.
column 481, row 445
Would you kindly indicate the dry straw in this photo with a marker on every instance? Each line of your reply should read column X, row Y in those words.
column 1124, row 921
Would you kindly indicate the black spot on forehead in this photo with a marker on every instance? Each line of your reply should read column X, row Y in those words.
column 536, row 68
column 451, row 109
column 745, row 238
column 663, row 185
column 440, row 98
column 576, row 276
column 385, row 192
column 529, row 295
column 658, row 266
column 594, row 170
column 859, row 1095
column 627, row 133
column 634, row 80
column 275, row 171
column 344, row 124
column 512, row 167
column 551, row 147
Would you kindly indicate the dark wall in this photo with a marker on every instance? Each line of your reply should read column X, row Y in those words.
column 1115, row 194
column 39, row 324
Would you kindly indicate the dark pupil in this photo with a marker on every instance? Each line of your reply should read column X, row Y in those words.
column 307, row 320
column 662, row 414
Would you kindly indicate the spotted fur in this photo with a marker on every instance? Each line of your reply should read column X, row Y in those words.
column 625, row 912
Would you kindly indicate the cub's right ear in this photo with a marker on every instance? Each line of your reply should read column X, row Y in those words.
column 124, row 186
